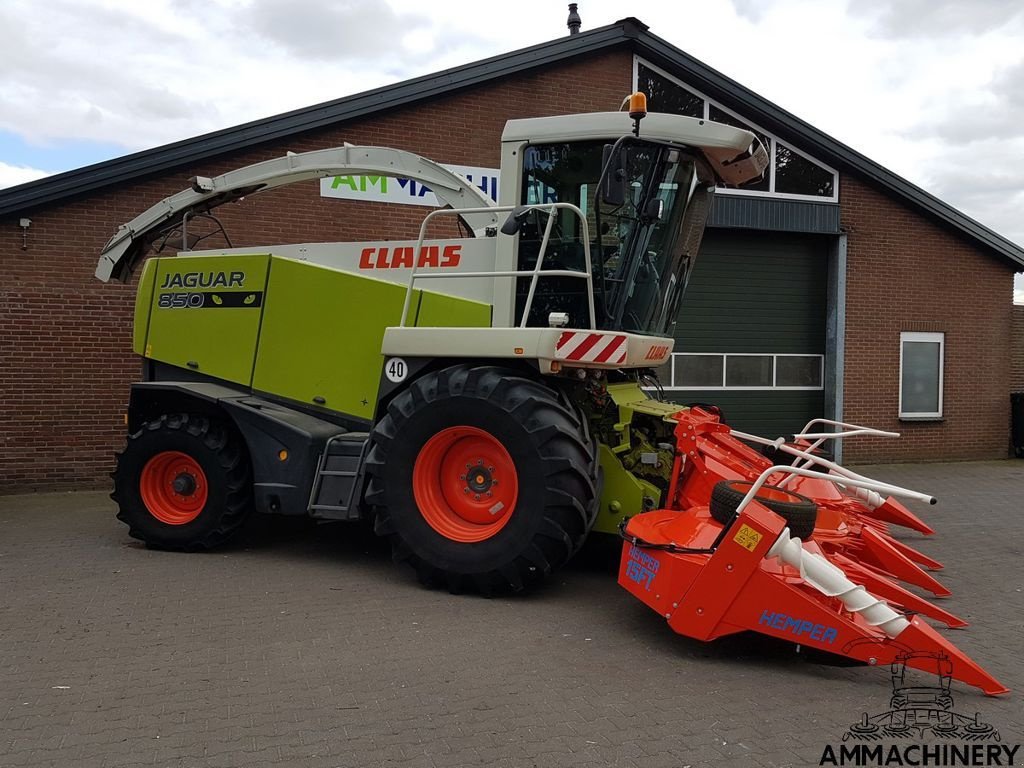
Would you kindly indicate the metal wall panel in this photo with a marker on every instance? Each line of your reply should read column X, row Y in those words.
column 753, row 292
column 734, row 211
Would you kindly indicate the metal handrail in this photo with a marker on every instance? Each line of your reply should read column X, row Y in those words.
column 534, row 273
column 860, row 430
column 857, row 482
column 819, row 438
column 838, row 470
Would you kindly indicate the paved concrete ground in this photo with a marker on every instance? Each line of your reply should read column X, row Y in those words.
column 304, row 645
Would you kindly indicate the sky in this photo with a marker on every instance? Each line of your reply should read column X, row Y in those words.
column 931, row 89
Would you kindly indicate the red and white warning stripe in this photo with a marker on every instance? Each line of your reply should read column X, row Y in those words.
column 587, row 347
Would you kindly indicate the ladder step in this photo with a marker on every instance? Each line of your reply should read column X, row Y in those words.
column 337, row 486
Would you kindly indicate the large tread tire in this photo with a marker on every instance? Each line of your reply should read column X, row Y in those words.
column 799, row 512
column 555, row 460
column 221, row 454
column 590, row 438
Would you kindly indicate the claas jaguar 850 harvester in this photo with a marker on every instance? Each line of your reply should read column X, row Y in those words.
column 486, row 399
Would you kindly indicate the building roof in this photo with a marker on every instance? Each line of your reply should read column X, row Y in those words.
column 630, row 33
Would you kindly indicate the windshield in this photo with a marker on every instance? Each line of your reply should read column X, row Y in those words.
column 641, row 250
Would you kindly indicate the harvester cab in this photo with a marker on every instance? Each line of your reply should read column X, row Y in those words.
column 481, row 398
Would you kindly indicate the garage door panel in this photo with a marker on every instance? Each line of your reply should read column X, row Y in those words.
column 755, row 293
column 768, row 414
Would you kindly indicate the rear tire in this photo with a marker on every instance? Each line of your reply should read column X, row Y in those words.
column 183, row 482
column 430, row 489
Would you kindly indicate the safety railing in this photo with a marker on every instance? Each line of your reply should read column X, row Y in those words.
column 534, row 273
column 804, row 458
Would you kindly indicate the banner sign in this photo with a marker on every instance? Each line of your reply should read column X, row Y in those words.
column 384, row 189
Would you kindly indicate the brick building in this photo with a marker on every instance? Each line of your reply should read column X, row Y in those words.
column 830, row 288
column 1017, row 353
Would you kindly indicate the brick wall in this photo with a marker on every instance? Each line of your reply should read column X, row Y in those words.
column 907, row 274
column 1017, row 350
column 65, row 359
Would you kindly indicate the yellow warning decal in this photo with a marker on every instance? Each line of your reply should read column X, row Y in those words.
column 747, row 538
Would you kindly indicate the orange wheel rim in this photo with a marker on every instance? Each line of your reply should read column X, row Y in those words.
column 465, row 484
column 173, row 487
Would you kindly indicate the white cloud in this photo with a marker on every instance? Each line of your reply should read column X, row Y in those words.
column 12, row 175
column 142, row 74
column 928, row 88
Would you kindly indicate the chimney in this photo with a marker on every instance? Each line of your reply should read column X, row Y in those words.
column 574, row 21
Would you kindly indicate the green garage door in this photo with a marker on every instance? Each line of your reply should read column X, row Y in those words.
column 750, row 336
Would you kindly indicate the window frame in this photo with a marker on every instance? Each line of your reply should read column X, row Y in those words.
column 931, row 337
column 671, row 385
column 638, row 60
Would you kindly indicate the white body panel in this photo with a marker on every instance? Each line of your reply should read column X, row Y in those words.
column 723, row 145
column 392, row 260
column 552, row 348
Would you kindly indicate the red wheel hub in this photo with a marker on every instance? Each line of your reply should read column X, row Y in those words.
column 465, row 484
column 173, row 487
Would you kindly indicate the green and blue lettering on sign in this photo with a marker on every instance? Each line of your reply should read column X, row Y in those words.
column 382, row 189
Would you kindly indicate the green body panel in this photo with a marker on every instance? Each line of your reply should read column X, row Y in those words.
column 631, row 399
column 291, row 328
column 436, row 310
column 323, row 328
column 205, row 314
column 143, row 306
column 622, row 494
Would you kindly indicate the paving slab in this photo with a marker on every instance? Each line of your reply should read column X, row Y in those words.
column 303, row 644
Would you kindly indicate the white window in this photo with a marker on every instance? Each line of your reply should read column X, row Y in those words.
column 921, row 356
column 718, row 370
column 791, row 173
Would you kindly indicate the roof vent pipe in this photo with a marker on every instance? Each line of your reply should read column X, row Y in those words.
column 574, row 21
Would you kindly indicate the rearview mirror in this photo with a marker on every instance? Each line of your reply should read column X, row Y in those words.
column 613, row 190
column 515, row 218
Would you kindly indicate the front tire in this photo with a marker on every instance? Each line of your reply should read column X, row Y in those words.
column 482, row 478
column 183, row 482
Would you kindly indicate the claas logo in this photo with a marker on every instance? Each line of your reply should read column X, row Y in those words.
column 656, row 352
column 401, row 257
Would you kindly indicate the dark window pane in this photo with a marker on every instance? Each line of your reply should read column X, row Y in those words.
column 748, row 371
column 698, row 370
column 796, row 175
column 663, row 95
column 798, row 371
column 721, row 116
column 920, row 377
